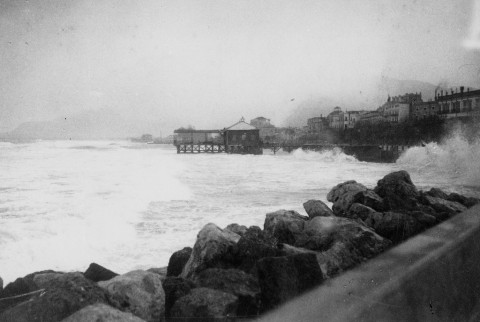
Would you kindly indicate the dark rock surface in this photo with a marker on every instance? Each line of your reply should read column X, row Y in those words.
column 204, row 304
column 98, row 273
column 175, row 288
column 316, row 208
column 398, row 191
column 237, row 229
column 285, row 225
column 236, row 282
column 178, row 260
column 64, row 296
column 282, row 278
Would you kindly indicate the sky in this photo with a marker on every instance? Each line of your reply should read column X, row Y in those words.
column 208, row 63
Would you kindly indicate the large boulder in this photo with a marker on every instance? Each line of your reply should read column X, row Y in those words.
column 177, row 261
column 285, row 225
column 346, row 194
column 65, row 295
column 443, row 205
column 398, row 226
column 398, row 191
column 160, row 271
column 315, row 208
column 437, row 193
column 204, row 304
column 175, row 288
column 253, row 245
column 237, row 229
column 1, row 285
column 43, row 280
column 282, row 278
column 138, row 292
column 236, row 282
column 211, row 249
column 466, row 201
column 101, row 313
column 98, row 273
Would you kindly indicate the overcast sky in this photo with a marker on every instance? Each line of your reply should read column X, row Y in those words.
column 208, row 63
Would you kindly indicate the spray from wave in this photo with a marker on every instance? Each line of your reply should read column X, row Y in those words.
column 456, row 157
column 330, row 155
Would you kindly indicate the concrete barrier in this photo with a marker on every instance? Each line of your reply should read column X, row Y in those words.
column 434, row 276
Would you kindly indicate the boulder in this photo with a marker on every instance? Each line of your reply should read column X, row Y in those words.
column 237, row 229
column 398, row 191
column 316, row 208
column 442, row 205
column 175, row 288
column 397, row 226
column 466, row 201
column 204, row 304
column 43, row 280
column 285, row 225
column 138, row 292
column 178, row 260
column 65, row 295
column 160, row 271
column 252, row 246
column 282, row 278
column 212, row 249
column 98, row 273
column 1, row 285
column 437, row 193
column 344, row 195
column 101, row 313
column 360, row 212
column 236, row 282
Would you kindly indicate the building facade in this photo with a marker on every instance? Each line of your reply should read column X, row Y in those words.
column 335, row 119
column 317, row 124
column 267, row 130
column 397, row 109
column 350, row 118
column 458, row 103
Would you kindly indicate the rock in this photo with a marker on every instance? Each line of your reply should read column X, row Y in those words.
column 204, row 304
column 65, row 295
column 101, row 313
column 178, row 260
column 19, row 290
column 138, row 292
column 437, row 193
column 466, row 201
column 211, row 249
column 237, row 229
column 425, row 219
column 284, row 225
column 43, row 280
column 442, row 205
column 360, row 212
column 252, row 246
column 236, row 282
column 398, row 191
column 316, row 208
column 98, row 273
column 344, row 188
column 345, row 194
column 175, row 288
column 1, row 285
column 282, row 278
column 471, row 202
column 160, row 271
column 396, row 226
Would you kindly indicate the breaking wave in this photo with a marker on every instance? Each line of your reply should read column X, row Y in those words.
column 330, row 155
column 455, row 157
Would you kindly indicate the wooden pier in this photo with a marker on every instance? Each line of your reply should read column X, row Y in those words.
column 200, row 148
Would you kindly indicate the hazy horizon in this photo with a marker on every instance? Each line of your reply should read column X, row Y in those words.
column 207, row 63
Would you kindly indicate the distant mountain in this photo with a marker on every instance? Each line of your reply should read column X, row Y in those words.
column 370, row 100
column 98, row 124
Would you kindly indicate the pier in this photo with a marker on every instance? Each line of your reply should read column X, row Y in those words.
column 200, row 148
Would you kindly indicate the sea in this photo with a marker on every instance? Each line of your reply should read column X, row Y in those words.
column 126, row 206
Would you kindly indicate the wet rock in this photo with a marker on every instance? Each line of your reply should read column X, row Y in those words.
column 425, row 219
column 282, row 278
column 178, row 260
column 437, row 193
column 471, row 202
column 237, row 229
column 252, row 246
column 175, row 288
column 359, row 211
column 466, row 201
column 316, row 208
column 43, row 280
column 160, row 271
column 98, row 273
column 442, row 205
column 398, row 191
column 1, row 285
column 64, row 296
column 396, row 226
column 344, row 195
column 101, row 313
column 204, row 304
column 236, row 282
column 138, row 292
column 211, row 249
column 284, row 225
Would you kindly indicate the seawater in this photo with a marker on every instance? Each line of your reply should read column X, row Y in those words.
column 65, row 204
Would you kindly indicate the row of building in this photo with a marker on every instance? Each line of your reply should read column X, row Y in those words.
column 410, row 106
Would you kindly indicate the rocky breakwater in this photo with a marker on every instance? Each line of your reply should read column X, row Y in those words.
column 240, row 272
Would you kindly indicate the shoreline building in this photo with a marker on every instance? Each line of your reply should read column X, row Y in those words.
column 458, row 103
column 242, row 137
column 397, row 108
column 267, row 130
column 335, row 118
column 317, row 124
column 351, row 118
